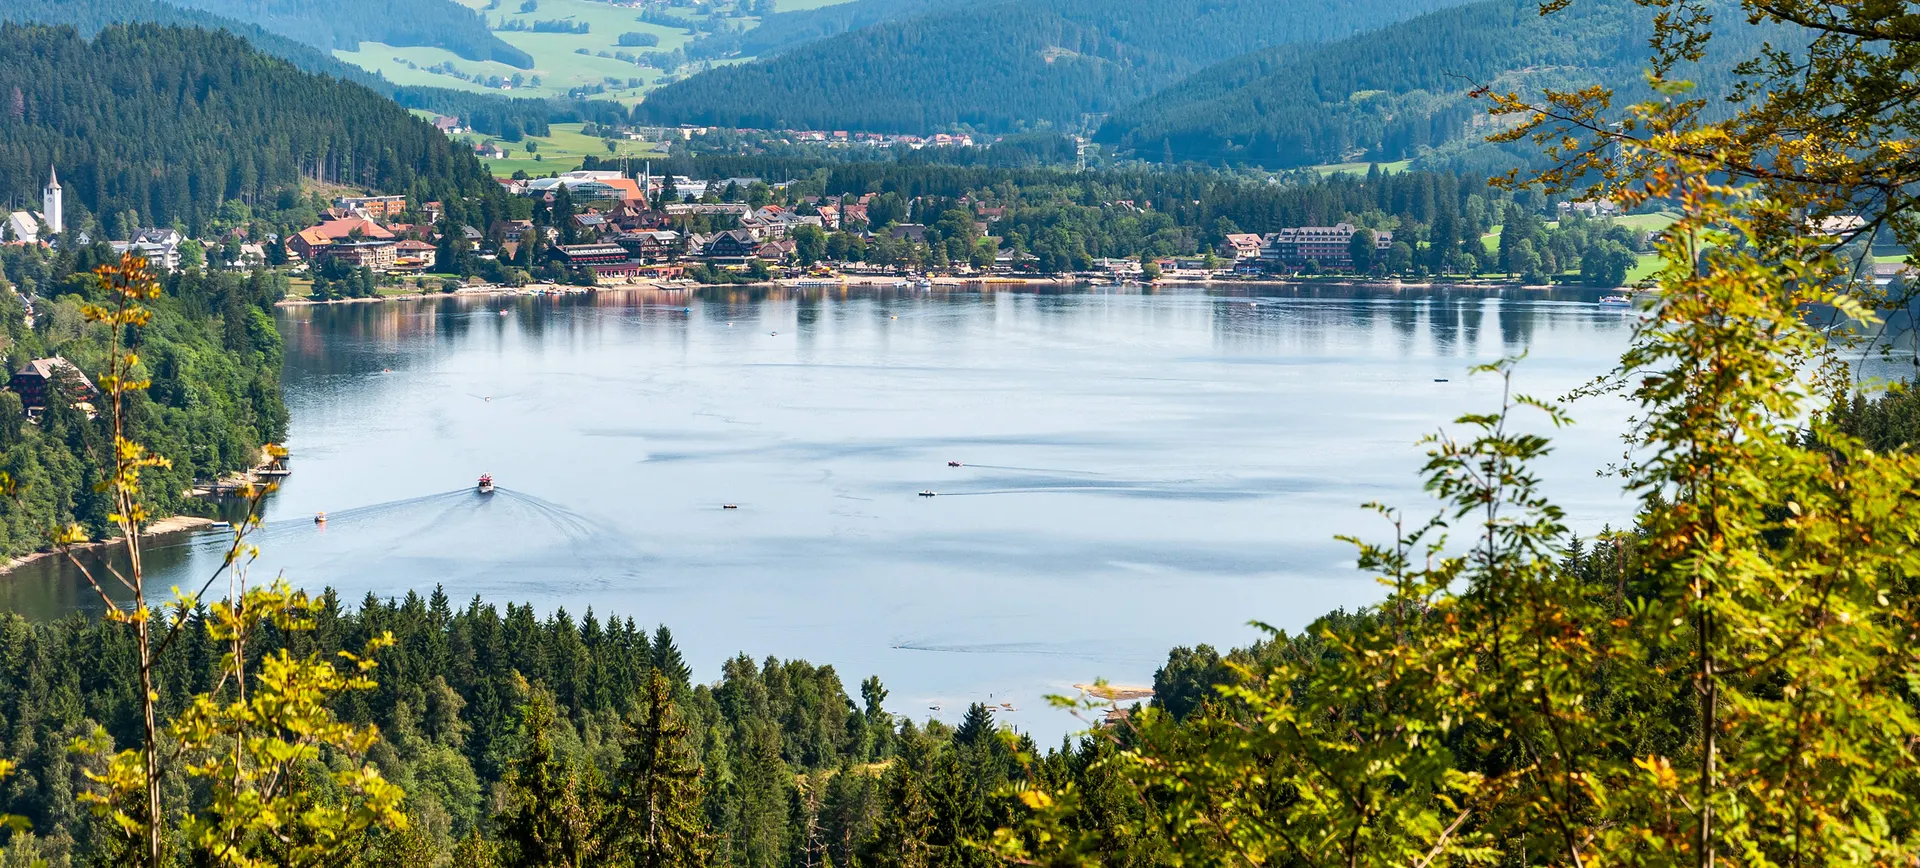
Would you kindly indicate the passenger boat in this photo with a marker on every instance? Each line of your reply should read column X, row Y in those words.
column 928, row 493
column 320, row 518
column 953, row 464
column 1616, row 301
column 486, row 483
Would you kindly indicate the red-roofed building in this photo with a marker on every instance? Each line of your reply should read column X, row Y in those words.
column 310, row 241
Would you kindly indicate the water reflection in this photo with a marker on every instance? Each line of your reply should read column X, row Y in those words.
column 1140, row 469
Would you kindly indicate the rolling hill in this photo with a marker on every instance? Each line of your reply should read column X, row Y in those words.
column 1004, row 66
column 171, row 122
column 1401, row 91
column 344, row 24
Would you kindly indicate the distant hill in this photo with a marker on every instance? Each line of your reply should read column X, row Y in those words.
column 784, row 30
column 1401, row 91
column 89, row 16
column 170, row 122
column 346, row 23
column 1006, row 65
column 488, row 113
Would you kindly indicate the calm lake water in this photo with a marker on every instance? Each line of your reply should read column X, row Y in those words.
column 1142, row 468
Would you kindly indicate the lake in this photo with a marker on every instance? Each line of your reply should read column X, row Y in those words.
column 1141, row 468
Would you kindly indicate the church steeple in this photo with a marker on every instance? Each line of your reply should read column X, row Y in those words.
column 50, row 203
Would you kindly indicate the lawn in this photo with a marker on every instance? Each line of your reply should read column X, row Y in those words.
column 563, row 151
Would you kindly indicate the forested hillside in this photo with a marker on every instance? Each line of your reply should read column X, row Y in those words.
column 1002, row 66
column 1390, row 94
column 169, row 123
column 491, row 115
column 346, row 23
column 784, row 30
column 211, row 350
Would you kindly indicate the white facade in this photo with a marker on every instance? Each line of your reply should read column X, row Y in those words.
column 50, row 203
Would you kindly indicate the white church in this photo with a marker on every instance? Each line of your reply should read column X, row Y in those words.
column 25, row 225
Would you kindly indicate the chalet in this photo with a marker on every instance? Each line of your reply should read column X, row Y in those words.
column 774, row 251
column 515, row 230
column 909, row 232
column 1240, row 246
column 732, row 244
column 651, row 245
column 36, row 379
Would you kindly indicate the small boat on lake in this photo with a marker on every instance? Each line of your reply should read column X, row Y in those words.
column 320, row 518
column 953, row 464
column 486, row 483
column 928, row 493
column 1616, row 301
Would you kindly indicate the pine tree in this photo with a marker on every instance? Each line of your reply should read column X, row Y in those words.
column 656, row 795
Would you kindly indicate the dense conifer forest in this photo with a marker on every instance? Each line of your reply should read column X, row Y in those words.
column 1401, row 91
column 1002, row 66
column 171, row 123
column 346, row 23
column 487, row 113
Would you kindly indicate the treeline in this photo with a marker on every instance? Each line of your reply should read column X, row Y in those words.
column 345, row 24
column 1003, row 66
column 519, row 738
column 171, row 123
column 1397, row 92
column 212, row 353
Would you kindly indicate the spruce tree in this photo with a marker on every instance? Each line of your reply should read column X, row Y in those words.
column 667, row 659
column 656, row 795
column 549, row 823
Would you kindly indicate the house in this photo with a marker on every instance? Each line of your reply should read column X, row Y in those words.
column 377, row 254
column 634, row 216
column 415, row 255
column 1327, row 246
column 382, row 208
column 736, row 209
column 1239, row 246
column 651, row 245
column 515, row 230
column 732, row 244
column 448, row 124
column 774, row 251
column 159, row 247
column 909, row 232
column 1588, row 208
column 592, row 222
column 36, row 379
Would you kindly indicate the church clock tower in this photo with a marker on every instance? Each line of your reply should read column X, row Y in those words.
column 50, row 203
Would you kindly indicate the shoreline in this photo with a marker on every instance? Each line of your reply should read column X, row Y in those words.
column 166, row 526
column 894, row 281
column 172, row 524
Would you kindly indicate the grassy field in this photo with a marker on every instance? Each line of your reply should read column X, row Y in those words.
column 556, row 58
column 1360, row 168
column 563, row 151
